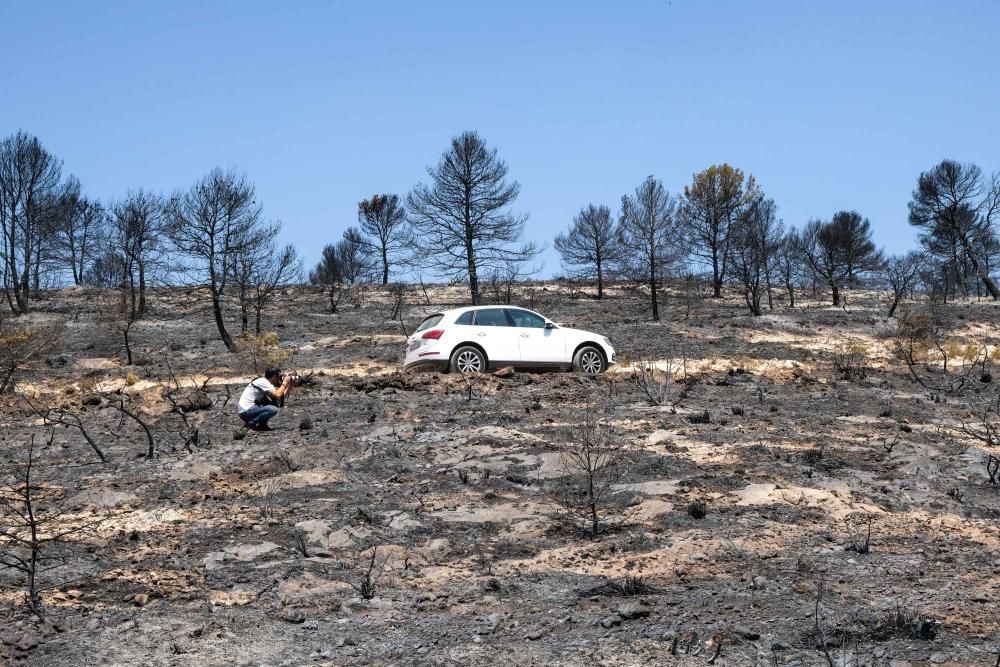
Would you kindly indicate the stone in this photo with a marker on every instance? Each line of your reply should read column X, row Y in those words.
column 536, row 634
column 611, row 621
column 140, row 600
column 938, row 658
column 403, row 521
column 102, row 499
column 292, row 615
column 195, row 400
column 245, row 552
column 435, row 549
column 27, row 642
column 214, row 560
column 631, row 610
column 490, row 624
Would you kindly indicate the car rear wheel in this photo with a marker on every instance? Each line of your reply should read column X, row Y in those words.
column 588, row 360
column 468, row 360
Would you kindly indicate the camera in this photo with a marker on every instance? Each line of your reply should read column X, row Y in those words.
column 296, row 380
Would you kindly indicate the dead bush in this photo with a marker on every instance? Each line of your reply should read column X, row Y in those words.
column 35, row 529
column 370, row 573
column 594, row 461
column 903, row 623
column 697, row 509
column 936, row 360
column 993, row 469
column 657, row 382
column 628, row 587
column 851, row 362
column 860, row 540
column 118, row 319
column 703, row 417
column 19, row 345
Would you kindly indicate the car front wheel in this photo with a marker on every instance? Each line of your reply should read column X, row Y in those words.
column 588, row 360
column 468, row 360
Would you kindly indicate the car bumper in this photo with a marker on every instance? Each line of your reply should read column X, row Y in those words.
column 424, row 359
column 609, row 354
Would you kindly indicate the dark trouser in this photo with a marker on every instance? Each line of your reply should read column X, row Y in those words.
column 258, row 415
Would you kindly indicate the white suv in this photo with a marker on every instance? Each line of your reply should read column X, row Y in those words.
column 471, row 340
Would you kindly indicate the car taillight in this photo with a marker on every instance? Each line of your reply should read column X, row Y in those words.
column 433, row 334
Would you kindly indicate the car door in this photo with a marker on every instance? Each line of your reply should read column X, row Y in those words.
column 537, row 343
column 492, row 330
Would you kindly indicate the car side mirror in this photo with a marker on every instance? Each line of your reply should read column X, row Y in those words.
column 550, row 325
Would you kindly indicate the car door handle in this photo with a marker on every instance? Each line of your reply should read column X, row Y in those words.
column 481, row 334
column 524, row 335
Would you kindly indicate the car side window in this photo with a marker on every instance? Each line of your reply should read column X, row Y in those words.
column 491, row 317
column 523, row 318
column 465, row 318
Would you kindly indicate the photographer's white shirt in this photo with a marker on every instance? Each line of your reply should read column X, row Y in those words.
column 253, row 393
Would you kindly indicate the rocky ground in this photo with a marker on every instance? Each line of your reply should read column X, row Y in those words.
column 740, row 508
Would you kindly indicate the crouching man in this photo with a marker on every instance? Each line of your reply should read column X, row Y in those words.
column 262, row 399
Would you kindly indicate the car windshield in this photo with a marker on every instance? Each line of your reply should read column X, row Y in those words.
column 523, row 318
column 429, row 322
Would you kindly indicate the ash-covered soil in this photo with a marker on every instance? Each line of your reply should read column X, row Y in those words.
column 250, row 548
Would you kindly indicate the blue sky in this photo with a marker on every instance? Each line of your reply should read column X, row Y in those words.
column 831, row 105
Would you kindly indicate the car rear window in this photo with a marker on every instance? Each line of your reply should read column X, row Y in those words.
column 464, row 318
column 491, row 317
column 430, row 321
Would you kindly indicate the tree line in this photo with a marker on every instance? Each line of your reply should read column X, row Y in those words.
column 214, row 233
column 723, row 221
column 460, row 226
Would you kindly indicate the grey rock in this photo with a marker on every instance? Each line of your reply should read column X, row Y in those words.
column 490, row 624
column 611, row 621
column 293, row 615
column 631, row 610
column 27, row 642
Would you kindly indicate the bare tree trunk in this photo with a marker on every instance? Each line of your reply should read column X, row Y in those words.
column 128, row 344
column 473, row 277
column 141, row 310
column 220, row 324
column 716, row 278
column 892, row 308
column 991, row 286
column 652, row 290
